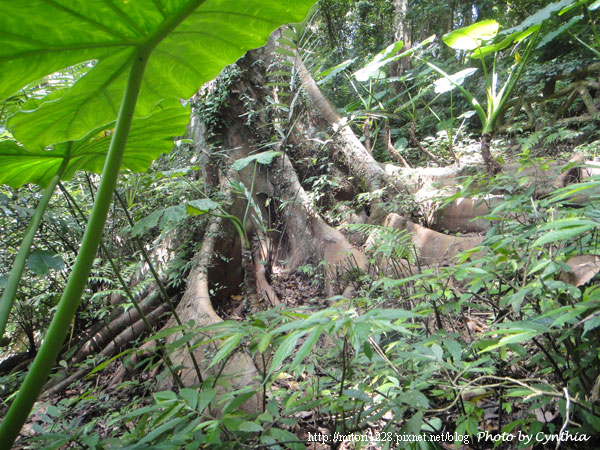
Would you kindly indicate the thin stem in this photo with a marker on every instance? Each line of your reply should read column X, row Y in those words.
column 45, row 359
column 245, row 221
column 10, row 290
column 161, row 287
column 128, row 292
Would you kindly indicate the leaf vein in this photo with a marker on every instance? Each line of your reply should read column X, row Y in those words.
column 124, row 16
column 230, row 13
column 160, row 8
column 204, row 33
column 86, row 19
column 183, row 62
column 102, row 88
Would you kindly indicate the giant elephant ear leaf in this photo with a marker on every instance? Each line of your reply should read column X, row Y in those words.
column 265, row 158
column 143, row 52
column 40, row 37
column 148, row 138
column 471, row 37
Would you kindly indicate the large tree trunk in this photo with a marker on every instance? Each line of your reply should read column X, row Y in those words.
column 356, row 157
column 402, row 32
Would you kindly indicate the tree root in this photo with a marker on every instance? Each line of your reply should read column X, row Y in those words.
column 238, row 370
column 356, row 156
column 413, row 138
column 262, row 285
column 111, row 329
column 460, row 216
column 433, row 248
column 309, row 237
column 120, row 341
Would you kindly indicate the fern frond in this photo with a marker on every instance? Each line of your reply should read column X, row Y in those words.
column 385, row 241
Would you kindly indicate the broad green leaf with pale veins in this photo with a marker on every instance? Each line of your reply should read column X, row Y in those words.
column 447, row 84
column 201, row 206
column 262, row 158
column 374, row 68
column 471, row 37
column 40, row 37
column 148, row 138
column 41, row 261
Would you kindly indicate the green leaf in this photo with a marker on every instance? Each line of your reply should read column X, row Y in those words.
column 288, row 437
column 414, row 424
column 444, row 84
column 165, row 396
column 165, row 332
column 41, row 261
column 164, row 428
column 285, row 52
column 237, row 401
column 173, row 215
column 148, row 138
column 200, row 206
column 307, row 346
column 381, row 59
column 264, row 342
column 386, row 56
column 591, row 324
column 326, row 75
column 548, row 37
column 471, row 37
column 103, row 364
column 226, row 348
column 540, row 16
column 47, row 36
column 570, row 191
column 285, row 349
column 265, row 158
column 515, row 300
column 478, row 109
column 568, row 223
column 205, row 397
column 563, row 234
column 250, row 426
column 368, row 351
column 515, row 338
column 147, row 223
column 433, row 425
column 191, row 396
column 455, row 350
column 285, row 41
column 513, row 38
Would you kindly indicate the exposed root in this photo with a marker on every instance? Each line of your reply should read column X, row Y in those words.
column 309, row 237
column 460, row 216
column 262, row 285
column 120, row 341
column 395, row 154
column 238, row 370
column 491, row 164
column 356, row 156
column 127, row 318
column 413, row 138
column 433, row 248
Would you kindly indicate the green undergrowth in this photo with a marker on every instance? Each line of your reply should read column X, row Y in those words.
column 506, row 342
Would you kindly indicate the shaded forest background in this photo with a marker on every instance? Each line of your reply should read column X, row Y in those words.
column 341, row 243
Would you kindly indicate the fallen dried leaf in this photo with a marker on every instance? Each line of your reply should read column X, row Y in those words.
column 583, row 269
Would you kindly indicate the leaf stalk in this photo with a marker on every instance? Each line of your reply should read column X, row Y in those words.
column 10, row 289
column 46, row 357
